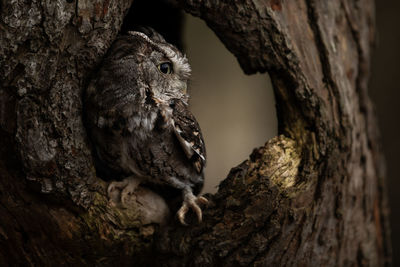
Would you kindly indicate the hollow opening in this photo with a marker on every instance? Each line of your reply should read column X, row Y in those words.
column 236, row 112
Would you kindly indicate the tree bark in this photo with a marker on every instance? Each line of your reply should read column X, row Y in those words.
column 312, row 196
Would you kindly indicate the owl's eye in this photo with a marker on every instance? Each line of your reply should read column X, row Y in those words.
column 165, row 67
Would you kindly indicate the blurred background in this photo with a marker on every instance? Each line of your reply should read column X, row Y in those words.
column 385, row 93
column 236, row 112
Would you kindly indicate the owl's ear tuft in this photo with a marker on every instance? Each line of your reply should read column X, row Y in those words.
column 151, row 33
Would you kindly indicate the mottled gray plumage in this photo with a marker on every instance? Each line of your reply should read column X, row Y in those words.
column 139, row 122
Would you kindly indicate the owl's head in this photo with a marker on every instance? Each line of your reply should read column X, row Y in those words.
column 163, row 69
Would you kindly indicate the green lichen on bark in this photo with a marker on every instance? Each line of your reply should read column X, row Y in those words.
column 280, row 162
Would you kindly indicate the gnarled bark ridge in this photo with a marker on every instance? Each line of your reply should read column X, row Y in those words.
column 312, row 196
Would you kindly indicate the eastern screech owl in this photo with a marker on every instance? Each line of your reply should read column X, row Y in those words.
column 139, row 122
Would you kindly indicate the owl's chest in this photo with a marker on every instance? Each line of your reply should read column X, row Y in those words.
column 145, row 125
column 142, row 123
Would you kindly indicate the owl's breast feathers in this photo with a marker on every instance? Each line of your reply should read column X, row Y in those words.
column 188, row 133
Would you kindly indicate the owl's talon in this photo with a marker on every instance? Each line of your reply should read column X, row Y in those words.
column 120, row 192
column 181, row 213
column 202, row 200
column 113, row 186
column 192, row 202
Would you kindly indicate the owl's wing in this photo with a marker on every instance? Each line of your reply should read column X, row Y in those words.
column 188, row 132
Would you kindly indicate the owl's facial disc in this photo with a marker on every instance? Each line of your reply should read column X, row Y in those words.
column 166, row 68
column 164, row 78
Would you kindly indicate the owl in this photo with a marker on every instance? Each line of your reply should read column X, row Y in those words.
column 139, row 122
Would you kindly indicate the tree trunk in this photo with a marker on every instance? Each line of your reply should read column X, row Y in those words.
column 312, row 196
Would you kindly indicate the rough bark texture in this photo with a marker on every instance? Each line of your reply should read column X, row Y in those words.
column 313, row 196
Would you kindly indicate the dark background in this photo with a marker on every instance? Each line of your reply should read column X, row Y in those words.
column 385, row 93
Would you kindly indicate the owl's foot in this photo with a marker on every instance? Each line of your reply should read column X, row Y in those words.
column 190, row 201
column 120, row 192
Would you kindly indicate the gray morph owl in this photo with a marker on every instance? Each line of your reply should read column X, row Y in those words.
column 139, row 122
